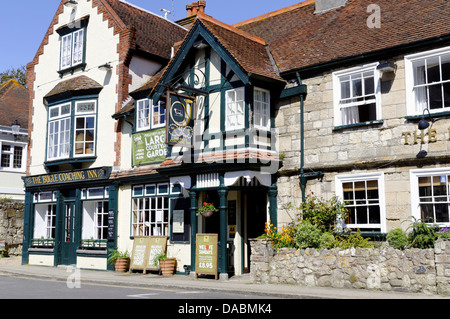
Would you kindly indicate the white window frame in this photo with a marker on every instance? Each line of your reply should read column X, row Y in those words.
column 235, row 109
column 11, row 154
column 261, row 110
column 142, row 115
column 52, row 120
column 338, row 75
column 44, row 220
column 412, row 105
column 95, row 220
column 85, row 114
column 341, row 179
column 414, row 181
column 72, row 49
column 155, row 204
column 146, row 115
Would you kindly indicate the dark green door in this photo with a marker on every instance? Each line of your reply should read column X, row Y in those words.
column 69, row 241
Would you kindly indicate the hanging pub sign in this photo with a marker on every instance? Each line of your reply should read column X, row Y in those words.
column 180, row 120
column 149, row 147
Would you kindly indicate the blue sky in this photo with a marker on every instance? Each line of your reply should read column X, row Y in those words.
column 24, row 23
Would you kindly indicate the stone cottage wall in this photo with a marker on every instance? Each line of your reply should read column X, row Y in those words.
column 11, row 226
column 385, row 269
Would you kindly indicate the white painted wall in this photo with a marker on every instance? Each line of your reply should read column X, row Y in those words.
column 101, row 47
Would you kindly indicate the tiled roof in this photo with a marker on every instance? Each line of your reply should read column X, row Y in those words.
column 298, row 38
column 80, row 84
column 154, row 34
column 248, row 50
column 13, row 104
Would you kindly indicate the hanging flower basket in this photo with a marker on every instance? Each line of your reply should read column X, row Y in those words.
column 207, row 210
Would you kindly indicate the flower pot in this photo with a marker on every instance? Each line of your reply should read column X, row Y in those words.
column 121, row 264
column 167, row 266
column 207, row 213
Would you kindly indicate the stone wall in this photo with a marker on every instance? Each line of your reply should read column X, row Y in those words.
column 386, row 269
column 11, row 225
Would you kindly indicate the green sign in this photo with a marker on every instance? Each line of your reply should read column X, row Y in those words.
column 68, row 177
column 206, row 254
column 149, row 147
column 180, row 124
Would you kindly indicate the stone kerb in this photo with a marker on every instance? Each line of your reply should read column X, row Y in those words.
column 386, row 269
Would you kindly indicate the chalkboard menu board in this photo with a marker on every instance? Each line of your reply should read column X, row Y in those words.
column 206, row 255
column 111, row 226
column 145, row 249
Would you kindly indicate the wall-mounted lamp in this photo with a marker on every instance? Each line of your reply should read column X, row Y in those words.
column 15, row 128
column 388, row 67
column 105, row 67
column 71, row 3
column 423, row 124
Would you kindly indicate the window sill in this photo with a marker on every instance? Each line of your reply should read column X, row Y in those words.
column 433, row 115
column 72, row 69
column 356, row 125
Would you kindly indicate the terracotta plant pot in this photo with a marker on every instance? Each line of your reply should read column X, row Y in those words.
column 121, row 264
column 167, row 266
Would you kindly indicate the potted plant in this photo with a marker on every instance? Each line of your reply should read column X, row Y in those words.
column 207, row 209
column 166, row 265
column 120, row 260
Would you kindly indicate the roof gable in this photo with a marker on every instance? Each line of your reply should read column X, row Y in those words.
column 245, row 54
column 153, row 34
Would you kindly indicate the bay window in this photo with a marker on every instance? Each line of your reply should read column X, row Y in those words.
column 261, row 111
column 148, row 116
column 235, row 109
column 72, row 130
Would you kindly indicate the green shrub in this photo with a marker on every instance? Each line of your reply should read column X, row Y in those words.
column 423, row 235
column 323, row 213
column 354, row 240
column 307, row 235
column 397, row 238
column 327, row 241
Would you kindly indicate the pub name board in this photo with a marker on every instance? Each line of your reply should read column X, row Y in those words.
column 68, row 177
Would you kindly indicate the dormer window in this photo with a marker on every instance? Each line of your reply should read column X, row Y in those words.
column 72, row 49
column 72, row 45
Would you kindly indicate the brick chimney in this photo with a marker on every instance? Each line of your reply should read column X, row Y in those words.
column 196, row 7
column 323, row 6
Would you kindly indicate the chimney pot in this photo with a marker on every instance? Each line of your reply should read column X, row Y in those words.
column 201, row 6
column 189, row 10
column 195, row 7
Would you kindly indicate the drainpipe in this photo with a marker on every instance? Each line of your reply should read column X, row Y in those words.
column 304, row 177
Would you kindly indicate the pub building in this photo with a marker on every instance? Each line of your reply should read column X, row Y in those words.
column 93, row 54
column 340, row 98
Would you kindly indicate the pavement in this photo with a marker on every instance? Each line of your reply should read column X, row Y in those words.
column 236, row 284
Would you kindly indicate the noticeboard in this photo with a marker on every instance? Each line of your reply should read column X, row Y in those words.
column 206, row 255
column 139, row 254
column 157, row 245
column 145, row 249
